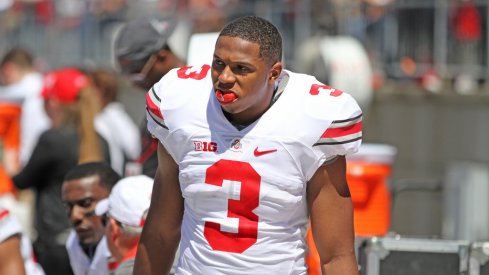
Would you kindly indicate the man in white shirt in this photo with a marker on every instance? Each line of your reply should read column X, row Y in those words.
column 83, row 187
column 125, row 211
column 22, row 84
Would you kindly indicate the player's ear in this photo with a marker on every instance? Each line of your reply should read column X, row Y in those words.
column 115, row 229
column 275, row 71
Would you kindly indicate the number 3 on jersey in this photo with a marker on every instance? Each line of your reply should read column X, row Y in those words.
column 241, row 209
column 193, row 72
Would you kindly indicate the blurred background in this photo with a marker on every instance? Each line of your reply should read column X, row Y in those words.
column 417, row 67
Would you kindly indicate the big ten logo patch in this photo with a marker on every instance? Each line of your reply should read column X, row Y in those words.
column 205, row 146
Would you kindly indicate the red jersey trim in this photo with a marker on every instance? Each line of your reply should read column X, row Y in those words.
column 152, row 106
column 4, row 213
column 342, row 131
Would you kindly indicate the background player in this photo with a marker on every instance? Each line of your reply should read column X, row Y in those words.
column 146, row 49
column 83, row 187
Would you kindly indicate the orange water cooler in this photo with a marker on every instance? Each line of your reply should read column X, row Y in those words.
column 367, row 175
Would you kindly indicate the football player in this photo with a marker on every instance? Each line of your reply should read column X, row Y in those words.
column 249, row 153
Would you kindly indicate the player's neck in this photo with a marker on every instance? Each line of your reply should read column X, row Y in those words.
column 237, row 125
column 242, row 120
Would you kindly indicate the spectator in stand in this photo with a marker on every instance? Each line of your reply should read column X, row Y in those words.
column 69, row 103
column 146, row 49
column 467, row 27
column 83, row 187
column 467, row 23
column 113, row 123
column 125, row 212
column 16, row 256
column 22, row 86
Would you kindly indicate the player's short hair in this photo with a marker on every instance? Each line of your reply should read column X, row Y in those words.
column 257, row 30
column 108, row 177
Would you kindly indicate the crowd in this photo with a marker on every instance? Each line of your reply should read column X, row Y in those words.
column 66, row 136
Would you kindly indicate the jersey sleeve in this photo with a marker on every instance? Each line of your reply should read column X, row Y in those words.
column 155, row 120
column 9, row 226
column 344, row 134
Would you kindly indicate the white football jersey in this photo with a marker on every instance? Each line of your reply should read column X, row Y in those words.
column 10, row 226
column 245, row 190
